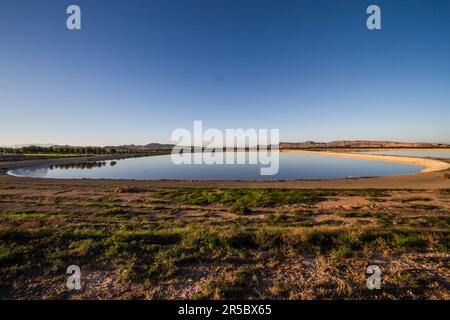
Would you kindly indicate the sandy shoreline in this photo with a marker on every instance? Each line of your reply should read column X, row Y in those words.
column 430, row 165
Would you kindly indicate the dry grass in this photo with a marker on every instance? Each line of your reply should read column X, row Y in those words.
column 223, row 244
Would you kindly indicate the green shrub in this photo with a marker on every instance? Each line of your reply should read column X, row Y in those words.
column 408, row 241
column 239, row 208
column 424, row 206
column 11, row 254
column 83, row 247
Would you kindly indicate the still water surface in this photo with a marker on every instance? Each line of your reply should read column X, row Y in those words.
column 292, row 166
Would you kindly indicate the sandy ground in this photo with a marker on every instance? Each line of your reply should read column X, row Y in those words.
column 429, row 178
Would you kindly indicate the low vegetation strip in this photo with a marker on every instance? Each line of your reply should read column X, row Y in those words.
column 259, row 197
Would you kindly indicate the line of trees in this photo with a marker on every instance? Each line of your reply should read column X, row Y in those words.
column 75, row 150
column 58, row 150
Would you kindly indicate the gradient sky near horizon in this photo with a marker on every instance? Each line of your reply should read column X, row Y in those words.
column 140, row 69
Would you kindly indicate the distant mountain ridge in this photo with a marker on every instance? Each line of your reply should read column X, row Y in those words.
column 149, row 146
column 283, row 145
column 312, row 144
column 360, row 144
column 17, row 146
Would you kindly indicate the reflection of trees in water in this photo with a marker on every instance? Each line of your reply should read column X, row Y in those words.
column 32, row 172
column 82, row 165
column 43, row 171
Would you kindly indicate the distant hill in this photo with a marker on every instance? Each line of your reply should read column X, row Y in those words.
column 283, row 145
column 312, row 145
column 18, row 146
column 359, row 144
column 149, row 146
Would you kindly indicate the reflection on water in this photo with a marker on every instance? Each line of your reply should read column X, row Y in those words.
column 81, row 165
column 292, row 166
column 30, row 172
column 38, row 172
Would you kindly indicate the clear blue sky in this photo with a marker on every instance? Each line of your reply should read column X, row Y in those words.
column 140, row 69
